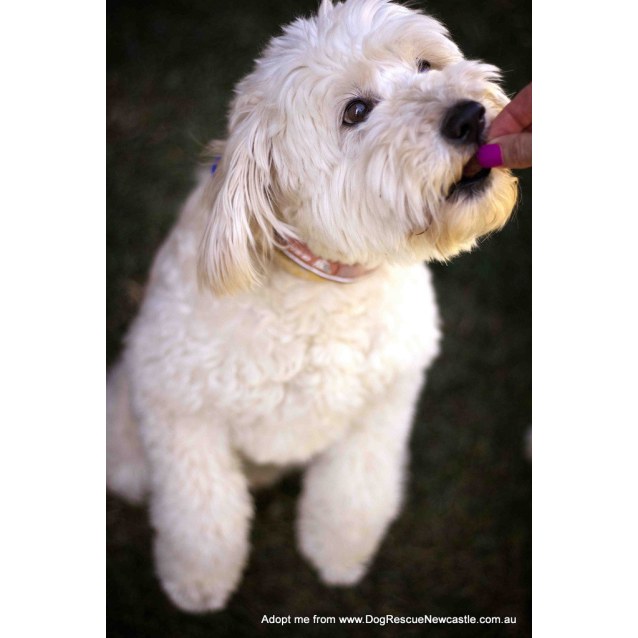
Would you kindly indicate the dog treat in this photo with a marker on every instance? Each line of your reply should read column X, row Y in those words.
column 490, row 156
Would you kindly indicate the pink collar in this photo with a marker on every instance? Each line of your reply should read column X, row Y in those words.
column 302, row 256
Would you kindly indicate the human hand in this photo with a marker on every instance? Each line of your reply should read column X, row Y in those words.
column 509, row 140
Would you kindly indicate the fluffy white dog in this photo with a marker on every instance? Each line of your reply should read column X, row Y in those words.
column 289, row 318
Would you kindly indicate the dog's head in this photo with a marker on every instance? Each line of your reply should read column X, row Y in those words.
column 352, row 133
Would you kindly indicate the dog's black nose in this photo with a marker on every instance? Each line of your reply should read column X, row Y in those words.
column 464, row 122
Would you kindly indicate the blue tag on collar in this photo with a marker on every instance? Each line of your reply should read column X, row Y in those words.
column 216, row 161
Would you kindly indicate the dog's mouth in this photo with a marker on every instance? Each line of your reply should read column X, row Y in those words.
column 474, row 180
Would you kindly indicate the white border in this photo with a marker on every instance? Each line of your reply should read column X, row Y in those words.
column 585, row 320
column 52, row 270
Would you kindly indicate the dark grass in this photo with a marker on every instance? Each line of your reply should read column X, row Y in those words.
column 463, row 542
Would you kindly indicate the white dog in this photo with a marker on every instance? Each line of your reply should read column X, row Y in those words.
column 289, row 318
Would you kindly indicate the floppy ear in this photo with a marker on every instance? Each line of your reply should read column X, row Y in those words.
column 242, row 224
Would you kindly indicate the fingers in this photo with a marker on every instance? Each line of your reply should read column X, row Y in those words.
column 511, row 151
column 515, row 117
column 509, row 140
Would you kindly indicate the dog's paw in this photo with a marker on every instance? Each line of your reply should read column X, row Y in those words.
column 337, row 564
column 341, row 575
column 129, row 481
column 195, row 584
column 194, row 595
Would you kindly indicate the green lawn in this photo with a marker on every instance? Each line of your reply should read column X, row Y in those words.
column 463, row 542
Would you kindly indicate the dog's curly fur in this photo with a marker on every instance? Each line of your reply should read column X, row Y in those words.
column 221, row 390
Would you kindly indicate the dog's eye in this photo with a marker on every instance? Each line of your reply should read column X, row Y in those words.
column 423, row 65
column 357, row 111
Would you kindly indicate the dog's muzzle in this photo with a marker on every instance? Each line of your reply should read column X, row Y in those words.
column 464, row 125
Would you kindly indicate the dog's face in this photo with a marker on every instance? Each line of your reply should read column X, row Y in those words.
column 352, row 133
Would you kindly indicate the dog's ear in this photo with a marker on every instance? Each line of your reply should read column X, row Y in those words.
column 242, row 225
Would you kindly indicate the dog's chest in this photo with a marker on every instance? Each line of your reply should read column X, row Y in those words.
column 293, row 366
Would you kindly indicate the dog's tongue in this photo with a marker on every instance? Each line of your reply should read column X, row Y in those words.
column 472, row 167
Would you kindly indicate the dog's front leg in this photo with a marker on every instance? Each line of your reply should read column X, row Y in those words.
column 353, row 491
column 201, row 510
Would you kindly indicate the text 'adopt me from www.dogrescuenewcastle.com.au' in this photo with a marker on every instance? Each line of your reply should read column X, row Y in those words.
column 388, row 619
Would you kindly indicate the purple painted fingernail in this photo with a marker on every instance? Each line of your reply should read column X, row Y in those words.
column 490, row 156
